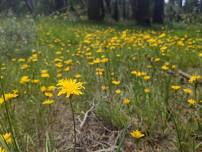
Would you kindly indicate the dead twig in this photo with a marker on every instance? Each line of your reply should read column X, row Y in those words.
column 86, row 116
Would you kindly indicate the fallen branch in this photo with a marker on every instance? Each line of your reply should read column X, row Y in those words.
column 86, row 116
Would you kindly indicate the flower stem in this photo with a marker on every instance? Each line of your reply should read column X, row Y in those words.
column 74, row 123
column 9, row 118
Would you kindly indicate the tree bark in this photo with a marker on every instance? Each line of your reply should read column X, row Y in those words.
column 115, row 14
column 143, row 13
column 180, row 3
column 158, row 13
column 96, row 10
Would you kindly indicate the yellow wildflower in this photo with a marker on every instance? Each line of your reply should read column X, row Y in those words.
column 48, row 102
column 126, row 101
column 187, row 91
column 175, row 87
column 24, row 79
column 2, row 149
column 7, row 137
column 147, row 90
column 194, row 78
column 118, row 91
column 116, row 82
column 137, row 134
column 192, row 102
column 69, row 87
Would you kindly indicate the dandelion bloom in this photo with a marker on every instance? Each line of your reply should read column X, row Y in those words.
column 70, row 87
column 192, row 102
column 126, row 101
column 187, row 91
column 7, row 137
column 137, row 134
column 147, row 90
column 116, row 82
column 2, row 149
column 24, row 79
column 8, row 96
column 48, row 102
column 194, row 78
column 175, row 87
column 118, row 91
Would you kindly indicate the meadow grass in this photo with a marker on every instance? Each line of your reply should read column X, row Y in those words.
column 130, row 73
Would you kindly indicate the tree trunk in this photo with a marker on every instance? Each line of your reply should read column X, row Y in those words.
column 30, row 6
column 115, row 14
column 180, row 3
column 158, row 14
column 143, row 11
column 96, row 10
column 134, row 8
column 60, row 5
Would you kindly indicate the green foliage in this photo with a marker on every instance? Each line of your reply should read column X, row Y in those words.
column 112, row 114
column 17, row 37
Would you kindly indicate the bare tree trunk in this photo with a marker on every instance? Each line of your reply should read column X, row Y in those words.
column 158, row 14
column 96, row 10
column 115, row 14
column 201, row 6
column 30, row 6
column 143, row 12
column 180, row 3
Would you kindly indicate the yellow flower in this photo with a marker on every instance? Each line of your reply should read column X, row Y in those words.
column 35, row 81
column 48, row 102
column 192, row 102
column 24, row 66
column 165, row 67
column 69, row 87
column 24, row 79
column 187, row 91
column 146, row 78
column 200, row 54
column 7, row 137
column 48, row 94
column 147, row 90
column 126, row 101
column 104, row 88
column 118, row 91
column 175, row 87
column 67, row 69
column 43, row 88
column 45, row 75
column 194, row 78
column 137, row 134
column 77, row 76
column 2, row 149
column 8, row 96
column 116, row 82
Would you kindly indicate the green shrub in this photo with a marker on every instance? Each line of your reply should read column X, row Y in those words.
column 17, row 37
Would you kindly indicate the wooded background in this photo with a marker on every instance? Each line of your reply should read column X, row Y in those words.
column 144, row 12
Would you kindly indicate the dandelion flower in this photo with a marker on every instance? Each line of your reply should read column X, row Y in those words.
column 175, row 87
column 48, row 102
column 137, row 134
column 192, row 102
column 70, row 87
column 24, row 79
column 2, row 149
column 7, row 137
column 126, row 101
